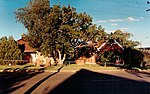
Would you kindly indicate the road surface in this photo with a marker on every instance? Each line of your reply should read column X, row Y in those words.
column 80, row 82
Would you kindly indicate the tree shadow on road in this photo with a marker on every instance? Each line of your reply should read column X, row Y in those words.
column 41, row 81
column 138, row 73
column 88, row 82
column 24, row 69
column 10, row 81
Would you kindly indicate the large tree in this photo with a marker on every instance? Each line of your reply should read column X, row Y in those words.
column 9, row 49
column 55, row 30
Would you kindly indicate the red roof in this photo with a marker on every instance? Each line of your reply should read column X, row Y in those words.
column 106, row 46
column 27, row 47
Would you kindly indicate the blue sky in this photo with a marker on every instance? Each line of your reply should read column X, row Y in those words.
column 127, row 15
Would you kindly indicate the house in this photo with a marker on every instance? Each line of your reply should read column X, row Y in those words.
column 31, row 55
column 29, row 52
column 113, row 46
column 87, row 57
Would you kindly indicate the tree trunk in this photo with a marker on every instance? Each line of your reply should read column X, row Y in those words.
column 38, row 62
column 59, row 59
column 105, row 64
column 52, row 61
column 47, row 62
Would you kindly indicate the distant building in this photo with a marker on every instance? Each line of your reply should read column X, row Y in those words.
column 145, row 49
column 113, row 46
column 30, row 54
column 146, row 52
column 88, row 58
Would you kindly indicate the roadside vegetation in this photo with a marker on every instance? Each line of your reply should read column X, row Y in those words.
column 71, row 67
column 9, row 51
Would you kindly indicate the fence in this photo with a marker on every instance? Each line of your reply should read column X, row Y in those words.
column 13, row 62
column 69, row 62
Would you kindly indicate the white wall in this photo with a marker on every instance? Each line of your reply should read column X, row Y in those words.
column 33, row 56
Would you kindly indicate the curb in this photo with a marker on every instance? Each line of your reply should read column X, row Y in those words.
column 77, row 70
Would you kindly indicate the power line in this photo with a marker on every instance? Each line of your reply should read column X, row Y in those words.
column 148, row 2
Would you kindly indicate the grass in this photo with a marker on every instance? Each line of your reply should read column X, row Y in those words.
column 55, row 68
column 2, row 67
column 26, row 66
column 89, row 67
column 65, row 67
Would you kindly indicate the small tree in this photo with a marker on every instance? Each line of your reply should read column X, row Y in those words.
column 133, row 57
column 9, row 49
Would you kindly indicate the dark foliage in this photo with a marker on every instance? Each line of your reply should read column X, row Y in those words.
column 133, row 57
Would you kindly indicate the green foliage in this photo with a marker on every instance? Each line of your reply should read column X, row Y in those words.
column 86, row 51
column 133, row 57
column 55, row 28
column 108, row 57
column 124, row 38
column 9, row 49
column 34, row 17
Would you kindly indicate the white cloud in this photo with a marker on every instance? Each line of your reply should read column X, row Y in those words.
column 141, row 18
column 123, row 29
column 114, row 24
column 100, row 21
column 131, row 19
column 110, row 31
column 116, row 20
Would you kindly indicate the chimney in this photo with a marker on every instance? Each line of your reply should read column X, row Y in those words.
column 23, row 36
